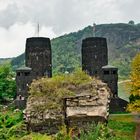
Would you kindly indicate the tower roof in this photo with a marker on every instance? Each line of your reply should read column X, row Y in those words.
column 109, row 67
column 24, row 69
column 37, row 39
column 94, row 39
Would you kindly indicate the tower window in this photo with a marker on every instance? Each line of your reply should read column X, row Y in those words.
column 106, row 72
column 114, row 72
column 96, row 72
column 27, row 73
column 18, row 74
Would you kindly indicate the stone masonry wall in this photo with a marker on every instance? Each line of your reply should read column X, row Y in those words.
column 83, row 110
column 78, row 111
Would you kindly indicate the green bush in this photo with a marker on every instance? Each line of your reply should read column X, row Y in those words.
column 95, row 132
column 11, row 124
column 7, row 83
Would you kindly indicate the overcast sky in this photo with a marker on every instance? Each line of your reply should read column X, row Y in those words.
column 19, row 18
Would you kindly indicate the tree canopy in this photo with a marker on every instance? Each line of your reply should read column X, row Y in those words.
column 135, row 85
column 7, row 83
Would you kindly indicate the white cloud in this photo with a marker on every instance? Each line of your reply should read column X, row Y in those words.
column 19, row 18
column 13, row 39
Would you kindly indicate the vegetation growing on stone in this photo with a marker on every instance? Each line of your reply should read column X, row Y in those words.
column 50, row 91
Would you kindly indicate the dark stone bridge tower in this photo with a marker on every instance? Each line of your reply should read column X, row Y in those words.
column 110, row 76
column 23, row 80
column 38, row 56
column 38, row 63
column 94, row 55
column 95, row 62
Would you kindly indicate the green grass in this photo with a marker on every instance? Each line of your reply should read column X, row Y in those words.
column 123, row 126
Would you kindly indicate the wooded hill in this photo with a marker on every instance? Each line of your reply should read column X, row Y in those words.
column 123, row 43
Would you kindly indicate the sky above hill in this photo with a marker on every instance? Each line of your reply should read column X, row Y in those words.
column 19, row 18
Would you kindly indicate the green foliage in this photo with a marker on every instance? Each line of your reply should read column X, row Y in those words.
column 135, row 85
column 121, row 64
column 128, row 127
column 7, row 83
column 11, row 124
column 58, row 87
column 133, row 98
column 97, row 132
column 5, row 60
column 123, row 126
column 18, row 62
column 34, row 136
column 131, row 22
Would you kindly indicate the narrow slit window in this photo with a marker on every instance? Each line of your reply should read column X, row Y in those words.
column 106, row 72
column 27, row 73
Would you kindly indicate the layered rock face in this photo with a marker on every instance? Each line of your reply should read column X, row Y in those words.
column 88, row 104
column 82, row 110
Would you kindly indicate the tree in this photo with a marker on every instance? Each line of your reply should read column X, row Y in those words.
column 131, row 22
column 7, row 83
column 134, row 104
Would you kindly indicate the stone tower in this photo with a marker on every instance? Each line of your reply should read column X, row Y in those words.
column 23, row 79
column 110, row 76
column 38, row 56
column 94, row 55
column 95, row 62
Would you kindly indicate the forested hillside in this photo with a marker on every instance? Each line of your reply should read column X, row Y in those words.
column 5, row 60
column 123, row 43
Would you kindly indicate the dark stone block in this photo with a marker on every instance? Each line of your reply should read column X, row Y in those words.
column 117, row 105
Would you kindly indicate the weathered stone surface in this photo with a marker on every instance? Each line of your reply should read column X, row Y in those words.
column 38, row 56
column 82, row 109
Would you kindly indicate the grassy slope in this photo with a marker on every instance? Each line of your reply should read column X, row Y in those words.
column 123, row 126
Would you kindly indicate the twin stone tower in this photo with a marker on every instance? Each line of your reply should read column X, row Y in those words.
column 38, row 63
